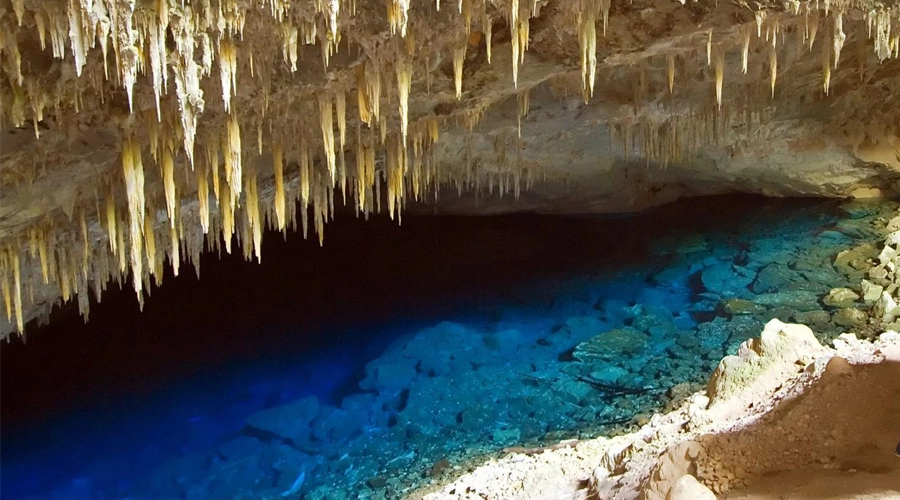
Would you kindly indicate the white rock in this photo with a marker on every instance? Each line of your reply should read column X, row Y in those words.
column 885, row 308
column 688, row 488
column 887, row 255
column 893, row 239
column 871, row 292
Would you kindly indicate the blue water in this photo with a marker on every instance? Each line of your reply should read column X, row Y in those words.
column 474, row 324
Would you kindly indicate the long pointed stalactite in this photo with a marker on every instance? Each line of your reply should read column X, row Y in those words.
column 263, row 119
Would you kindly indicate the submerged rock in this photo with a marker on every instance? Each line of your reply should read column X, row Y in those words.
column 814, row 319
column 611, row 344
column 722, row 279
column 290, row 421
column 850, row 316
column 800, row 300
column 740, row 306
column 853, row 262
column 774, row 277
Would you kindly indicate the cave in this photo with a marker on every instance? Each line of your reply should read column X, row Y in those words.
column 377, row 249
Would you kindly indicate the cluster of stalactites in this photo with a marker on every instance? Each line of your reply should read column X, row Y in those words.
column 168, row 40
column 772, row 30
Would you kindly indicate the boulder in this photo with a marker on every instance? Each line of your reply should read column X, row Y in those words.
column 611, row 344
column 885, row 308
column 760, row 366
column 870, row 291
column 817, row 319
column 774, row 277
column 740, row 306
column 853, row 261
column 392, row 376
column 505, row 341
column 850, row 317
column 723, row 279
column 290, row 421
column 688, row 488
column 840, row 297
column 799, row 300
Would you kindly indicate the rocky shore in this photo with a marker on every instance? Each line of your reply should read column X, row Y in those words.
column 784, row 414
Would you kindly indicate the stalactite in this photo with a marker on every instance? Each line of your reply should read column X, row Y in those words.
column 150, row 243
column 719, row 64
column 233, row 166
column 826, row 67
column 487, row 23
column 278, row 161
column 168, row 174
column 670, row 72
column 17, row 296
column 362, row 98
column 202, row 198
column 587, row 39
column 327, row 125
column 459, row 56
column 253, row 216
column 745, row 49
column 154, row 40
column 838, row 37
column 514, row 39
column 773, row 68
column 110, row 226
column 133, row 171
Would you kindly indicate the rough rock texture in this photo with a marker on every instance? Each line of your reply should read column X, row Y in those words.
column 136, row 134
column 831, row 423
column 786, row 417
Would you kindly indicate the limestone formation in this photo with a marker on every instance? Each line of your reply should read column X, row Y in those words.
column 136, row 135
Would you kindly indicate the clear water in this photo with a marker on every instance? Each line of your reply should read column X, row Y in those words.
column 395, row 357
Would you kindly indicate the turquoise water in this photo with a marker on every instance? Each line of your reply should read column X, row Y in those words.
column 415, row 352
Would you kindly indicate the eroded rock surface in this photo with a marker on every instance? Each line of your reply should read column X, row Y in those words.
column 135, row 136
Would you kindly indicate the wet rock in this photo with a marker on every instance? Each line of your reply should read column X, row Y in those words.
column 506, row 436
column 611, row 344
column 290, row 421
column 608, row 374
column 572, row 390
column 774, row 277
column 741, row 328
column 870, row 291
column 337, row 424
column 238, row 479
column 878, row 273
column 722, row 279
column 799, row 300
column 239, row 447
column 740, row 306
column 840, row 297
column 823, row 275
column 505, row 341
column 683, row 244
column 885, row 308
column 850, row 316
column 688, row 340
column 581, row 328
column 817, row 320
column 853, row 261
column 391, row 376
